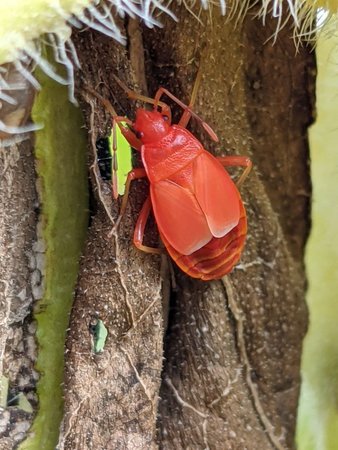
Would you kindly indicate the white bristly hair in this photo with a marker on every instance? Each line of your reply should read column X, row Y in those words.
column 100, row 16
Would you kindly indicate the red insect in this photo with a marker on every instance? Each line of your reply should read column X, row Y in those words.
column 197, row 207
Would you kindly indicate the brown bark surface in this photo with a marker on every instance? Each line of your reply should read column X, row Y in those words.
column 21, row 261
column 230, row 376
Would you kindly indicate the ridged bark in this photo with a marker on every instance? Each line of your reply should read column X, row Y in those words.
column 230, row 355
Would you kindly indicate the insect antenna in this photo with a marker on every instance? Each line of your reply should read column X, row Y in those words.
column 135, row 96
column 188, row 112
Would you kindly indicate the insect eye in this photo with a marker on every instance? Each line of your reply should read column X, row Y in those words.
column 139, row 134
column 165, row 118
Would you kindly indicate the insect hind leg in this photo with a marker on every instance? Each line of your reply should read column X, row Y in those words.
column 242, row 161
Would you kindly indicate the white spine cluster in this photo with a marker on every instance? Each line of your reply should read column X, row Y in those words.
column 61, row 15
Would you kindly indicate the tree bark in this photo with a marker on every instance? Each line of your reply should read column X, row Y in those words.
column 21, row 262
column 230, row 377
column 186, row 364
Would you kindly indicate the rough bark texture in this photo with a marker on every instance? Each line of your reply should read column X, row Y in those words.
column 21, row 263
column 230, row 377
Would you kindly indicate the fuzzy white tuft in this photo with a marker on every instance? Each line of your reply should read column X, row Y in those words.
column 22, row 47
column 20, row 33
column 302, row 13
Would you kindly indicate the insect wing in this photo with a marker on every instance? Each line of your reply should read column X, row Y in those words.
column 216, row 194
column 179, row 217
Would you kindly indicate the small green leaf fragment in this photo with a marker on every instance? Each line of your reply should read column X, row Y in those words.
column 123, row 158
column 100, row 334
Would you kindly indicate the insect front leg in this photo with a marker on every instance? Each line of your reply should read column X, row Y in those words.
column 129, row 134
column 139, row 229
column 134, row 174
column 242, row 161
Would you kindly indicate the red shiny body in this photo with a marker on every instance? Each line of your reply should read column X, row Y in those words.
column 215, row 259
column 197, row 206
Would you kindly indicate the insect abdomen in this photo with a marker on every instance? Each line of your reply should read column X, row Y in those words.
column 218, row 257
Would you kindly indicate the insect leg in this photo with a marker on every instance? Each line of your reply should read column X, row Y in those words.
column 132, row 175
column 242, row 161
column 139, row 229
column 128, row 134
